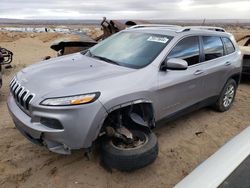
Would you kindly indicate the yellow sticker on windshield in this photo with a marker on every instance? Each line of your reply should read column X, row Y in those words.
column 158, row 39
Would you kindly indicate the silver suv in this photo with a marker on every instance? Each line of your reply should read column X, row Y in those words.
column 119, row 89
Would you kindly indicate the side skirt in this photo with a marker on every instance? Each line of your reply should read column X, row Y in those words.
column 197, row 106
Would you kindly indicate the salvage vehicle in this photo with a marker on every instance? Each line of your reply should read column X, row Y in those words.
column 227, row 168
column 245, row 49
column 1, row 60
column 5, row 59
column 72, row 44
column 79, row 42
column 246, row 60
column 119, row 89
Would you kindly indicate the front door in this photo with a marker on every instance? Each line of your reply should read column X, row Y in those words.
column 179, row 89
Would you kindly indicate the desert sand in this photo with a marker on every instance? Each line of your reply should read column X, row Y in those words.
column 183, row 143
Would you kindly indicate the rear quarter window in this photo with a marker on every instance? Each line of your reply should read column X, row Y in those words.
column 229, row 47
column 213, row 47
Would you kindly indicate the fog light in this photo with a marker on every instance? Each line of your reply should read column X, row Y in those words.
column 51, row 123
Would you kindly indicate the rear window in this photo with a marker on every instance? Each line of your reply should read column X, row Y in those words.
column 229, row 47
column 213, row 47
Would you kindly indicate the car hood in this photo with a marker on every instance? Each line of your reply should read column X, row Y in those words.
column 68, row 75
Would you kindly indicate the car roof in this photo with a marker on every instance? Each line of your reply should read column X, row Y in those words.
column 154, row 30
column 173, row 30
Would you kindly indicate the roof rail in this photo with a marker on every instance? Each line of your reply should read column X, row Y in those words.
column 188, row 28
column 152, row 25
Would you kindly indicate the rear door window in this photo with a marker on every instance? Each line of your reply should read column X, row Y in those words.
column 187, row 49
column 229, row 47
column 213, row 47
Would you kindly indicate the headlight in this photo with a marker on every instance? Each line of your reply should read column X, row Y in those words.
column 71, row 100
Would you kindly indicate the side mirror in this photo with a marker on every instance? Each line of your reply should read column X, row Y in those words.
column 174, row 64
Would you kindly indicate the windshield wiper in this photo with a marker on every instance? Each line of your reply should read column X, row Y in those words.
column 105, row 59
column 89, row 54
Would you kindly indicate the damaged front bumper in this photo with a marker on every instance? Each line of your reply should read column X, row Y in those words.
column 79, row 126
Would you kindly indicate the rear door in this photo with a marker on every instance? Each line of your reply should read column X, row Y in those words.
column 179, row 89
column 217, row 63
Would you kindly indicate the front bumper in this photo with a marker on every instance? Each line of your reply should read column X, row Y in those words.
column 80, row 125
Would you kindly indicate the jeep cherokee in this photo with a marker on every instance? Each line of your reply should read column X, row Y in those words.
column 120, row 88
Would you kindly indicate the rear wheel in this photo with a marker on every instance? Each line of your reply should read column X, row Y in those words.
column 227, row 96
column 142, row 151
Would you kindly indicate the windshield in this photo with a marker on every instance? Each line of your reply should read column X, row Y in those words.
column 130, row 49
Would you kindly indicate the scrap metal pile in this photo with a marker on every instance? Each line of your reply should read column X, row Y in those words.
column 5, row 56
column 82, row 42
column 5, row 59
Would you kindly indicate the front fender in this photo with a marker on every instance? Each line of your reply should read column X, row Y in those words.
column 127, row 99
column 95, row 130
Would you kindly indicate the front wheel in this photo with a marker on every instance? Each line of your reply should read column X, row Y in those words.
column 128, row 157
column 227, row 96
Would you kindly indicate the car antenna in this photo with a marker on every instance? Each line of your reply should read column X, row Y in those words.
column 204, row 21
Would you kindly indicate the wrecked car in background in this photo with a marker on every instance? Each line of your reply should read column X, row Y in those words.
column 5, row 59
column 72, row 44
column 244, row 43
column 82, row 42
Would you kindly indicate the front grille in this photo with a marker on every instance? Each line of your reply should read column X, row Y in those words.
column 22, row 96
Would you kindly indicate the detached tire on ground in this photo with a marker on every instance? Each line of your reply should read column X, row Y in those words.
column 129, row 159
column 227, row 96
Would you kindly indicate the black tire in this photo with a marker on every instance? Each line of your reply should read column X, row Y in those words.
column 130, row 159
column 220, row 104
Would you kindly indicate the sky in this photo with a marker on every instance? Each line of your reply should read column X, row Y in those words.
column 125, row 9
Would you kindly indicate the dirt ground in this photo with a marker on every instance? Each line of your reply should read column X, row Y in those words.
column 183, row 143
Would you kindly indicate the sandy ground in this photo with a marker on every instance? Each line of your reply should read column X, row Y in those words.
column 184, row 143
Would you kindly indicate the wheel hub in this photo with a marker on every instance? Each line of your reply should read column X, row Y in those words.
column 139, row 139
column 228, row 96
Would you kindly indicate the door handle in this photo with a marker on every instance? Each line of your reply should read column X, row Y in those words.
column 227, row 63
column 198, row 72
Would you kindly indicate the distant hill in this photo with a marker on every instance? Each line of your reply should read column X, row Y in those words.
column 97, row 22
column 48, row 22
column 217, row 22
